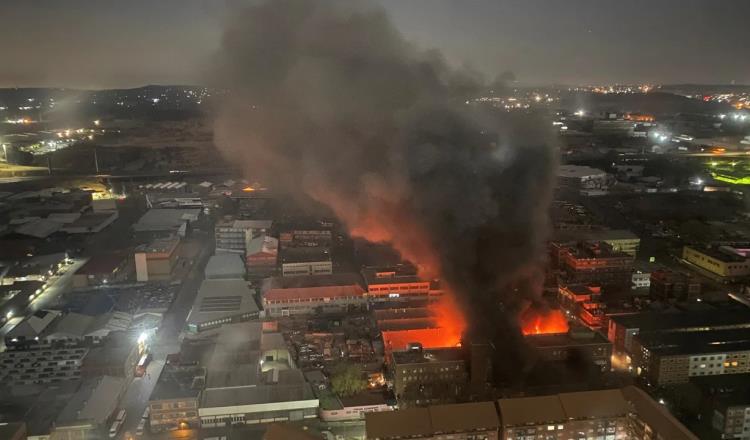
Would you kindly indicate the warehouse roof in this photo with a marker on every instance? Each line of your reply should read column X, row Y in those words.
column 578, row 171
column 562, row 407
column 313, row 293
column 158, row 219
column 225, row 266
column 433, row 420
column 219, row 299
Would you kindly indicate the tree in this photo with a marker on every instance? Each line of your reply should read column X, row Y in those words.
column 347, row 380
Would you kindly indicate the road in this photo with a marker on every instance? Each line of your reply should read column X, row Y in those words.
column 166, row 340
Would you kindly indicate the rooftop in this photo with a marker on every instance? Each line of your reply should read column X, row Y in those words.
column 165, row 219
column 160, row 245
column 438, row 419
column 256, row 395
column 313, row 293
column 176, row 382
column 651, row 321
column 225, row 266
column 428, row 355
column 305, row 254
column 401, row 273
column 218, row 299
column 95, row 401
column 263, row 243
column 101, row 264
column 566, row 339
column 703, row 342
column 656, row 416
column 723, row 253
column 579, row 171
column 562, row 407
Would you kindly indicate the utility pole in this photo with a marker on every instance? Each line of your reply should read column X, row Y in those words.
column 96, row 161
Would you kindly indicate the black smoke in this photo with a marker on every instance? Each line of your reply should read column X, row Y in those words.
column 327, row 100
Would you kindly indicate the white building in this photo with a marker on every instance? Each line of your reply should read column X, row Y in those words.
column 219, row 302
column 582, row 176
column 232, row 235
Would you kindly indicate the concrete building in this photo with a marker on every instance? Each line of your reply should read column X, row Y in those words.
column 174, row 401
column 102, row 269
column 394, row 282
column 671, row 286
column 88, row 412
column 159, row 222
column 731, row 417
column 305, row 236
column 155, row 261
column 578, row 343
column 582, row 177
column 583, row 302
column 219, row 302
column 622, row 329
column 462, row 421
column 672, row 358
column 262, row 255
column 723, row 261
column 597, row 264
column 428, row 376
column 232, row 235
column 297, row 261
column 620, row 240
column 588, row 414
column 285, row 296
column 225, row 266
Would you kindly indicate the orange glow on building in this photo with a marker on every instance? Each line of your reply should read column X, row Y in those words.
column 248, row 189
column 541, row 322
column 448, row 332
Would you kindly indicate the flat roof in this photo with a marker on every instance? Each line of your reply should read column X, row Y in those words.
column 595, row 234
column 656, row 415
column 305, row 254
column 562, row 407
column 305, row 281
column 41, row 228
column 95, row 401
column 101, row 264
column 164, row 219
column 464, row 417
column 716, row 341
column 428, row 355
column 433, row 420
column 565, row 340
column 578, row 171
column 220, row 298
column 257, row 394
column 225, row 266
column 313, row 293
column 725, row 256
column 176, row 382
column 649, row 321
column 405, row 423
column 263, row 243
column 160, row 245
column 401, row 273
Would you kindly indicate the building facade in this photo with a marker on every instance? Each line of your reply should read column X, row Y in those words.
column 722, row 261
column 428, row 376
column 155, row 261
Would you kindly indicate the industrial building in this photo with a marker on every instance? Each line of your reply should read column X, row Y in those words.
column 26, row 367
column 584, row 302
column 221, row 301
column 160, row 222
column 285, row 296
column 174, row 401
column 394, row 282
column 671, row 286
column 297, row 261
column 262, row 255
column 225, row 266
column 232, row 235
column 724, row 261
column 596, row 263
column 102, row 269
column 155, row 261
column 461, row 421
column 672, row 358
column 582, row 177
column 88, row 412
column 620, row 240
column 428, row 376
column 578, row 343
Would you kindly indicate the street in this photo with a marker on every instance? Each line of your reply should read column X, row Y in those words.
column 165, row 342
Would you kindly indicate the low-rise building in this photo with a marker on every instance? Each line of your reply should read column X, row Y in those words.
column 219, row 302
column 428, row 376
column 174, row 402
column 225, row 266
column 102, row 269
column 297, row 261
column 668, row 285
column 285, row 296
column 165, row 222
column 578, row 343
column 394, row 283
column 232, row 235
column 461, row 421
column 262, row 255
column 723, row 261
column 597, row 263
column 48, row 365
column 88, row 412
column 155, row 261
column 116, row 356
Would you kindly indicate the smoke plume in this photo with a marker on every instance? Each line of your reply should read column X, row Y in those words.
column 327, row 100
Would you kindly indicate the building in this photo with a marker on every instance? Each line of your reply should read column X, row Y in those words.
column 652, row 420
column 622, row 329
column 582, row 177
column 723, row 261
column 88, row 412
column 428, row 376
column 596, row 263
column 672, row 358
column 462, row 421
column 243, row 387
column 395, row 282
column 613, row 127
column 155, row 261
column 232, row 235
column 620, row 240
column 225, row 266
column 13, row 431
column 668, row 285
column 90, row 223
column 160, row 222
column 102, row 269
column 578, row 343
column 296, row 261
column 731, row 417
column 28, row 332
column 262, row 255
column 354, row 407
column 221, row 301
column 174, row 401
column 584, row 302
column 306, row 236
column 117, row 356
column 285, row 296
column 588, row 414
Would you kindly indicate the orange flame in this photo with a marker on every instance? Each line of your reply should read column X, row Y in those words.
column 539, row 322
column 448, row 333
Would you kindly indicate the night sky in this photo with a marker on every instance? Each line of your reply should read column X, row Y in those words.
column 96, row 44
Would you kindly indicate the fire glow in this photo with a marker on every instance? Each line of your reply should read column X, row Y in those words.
column 448, row 333
column 541, row 322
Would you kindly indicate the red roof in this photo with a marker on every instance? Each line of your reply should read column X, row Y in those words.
column 313, row 292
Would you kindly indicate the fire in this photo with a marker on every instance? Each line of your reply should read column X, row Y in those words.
column 248, row 189
column 539, row 322
column 448, row 332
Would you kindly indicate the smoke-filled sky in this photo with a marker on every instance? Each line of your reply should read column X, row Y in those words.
column 94, row 44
